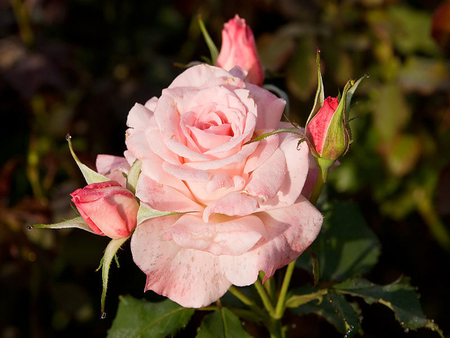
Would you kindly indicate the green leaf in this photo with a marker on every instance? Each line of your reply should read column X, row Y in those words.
column 222, row 323
column 110, row 253
column 90, row 175
column 77, row 222
column 346, row 246
column 139, row 318
column 145, row 213
column 211, row 45
column 399, row 296
column 347, row 312
column 297, row 300
column 133, row 176
column 324, row 309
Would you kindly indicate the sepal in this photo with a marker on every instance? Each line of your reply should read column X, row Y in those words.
column 77, row 222
column 89, row 175
column 110, row 253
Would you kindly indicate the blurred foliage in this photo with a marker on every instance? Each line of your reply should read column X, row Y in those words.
column 79, row 66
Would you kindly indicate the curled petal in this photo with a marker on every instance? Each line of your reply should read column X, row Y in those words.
column 189, row 277
column 233, row 204
column 289, row 232
column 233, row 236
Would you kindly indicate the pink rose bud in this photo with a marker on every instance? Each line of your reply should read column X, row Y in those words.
column 239, row 49
column 108, row 208
column 328, row 132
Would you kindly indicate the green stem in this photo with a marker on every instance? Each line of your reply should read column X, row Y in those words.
column 265, row 298
column 318, row 187
column 281, row 304
column 431, row 217
column 247, row 301
column 279, row 311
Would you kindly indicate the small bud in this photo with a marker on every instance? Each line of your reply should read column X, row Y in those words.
column 239, row 49
column 327, row 129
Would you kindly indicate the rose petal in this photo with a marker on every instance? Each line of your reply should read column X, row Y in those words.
column 233, row 204
column 297, row 163
column 266, row 180
column 163, row 197
column 270, row 107
column 225, row 237
column 191, row 278
column 199, row 75
column 139, row 117
column 289, row 232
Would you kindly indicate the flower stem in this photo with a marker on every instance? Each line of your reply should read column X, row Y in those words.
column 318, row 187
column 281, row 304
column 265, row 298
column 247, row 301
column 279, row 311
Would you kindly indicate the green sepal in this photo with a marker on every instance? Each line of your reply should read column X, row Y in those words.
column 145, row 213
column 211, row 45
column 77, row 222
column 298, row 300
column 110, row 253
column 320, row 93
column 133, row 176
column 281, row 130
column 90, row 175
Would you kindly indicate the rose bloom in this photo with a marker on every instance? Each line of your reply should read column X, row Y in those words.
column 243, row 203
column 239, row 49
column 108, row 208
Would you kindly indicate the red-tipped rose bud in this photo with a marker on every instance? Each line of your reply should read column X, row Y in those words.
column 239, row 49
column 328, row 132
column 108, row 208
column 327, row 129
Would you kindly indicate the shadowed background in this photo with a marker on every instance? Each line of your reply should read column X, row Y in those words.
column 79, row 66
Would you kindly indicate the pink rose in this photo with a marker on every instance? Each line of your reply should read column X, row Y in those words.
column 328, row 132
column 244, row 203
column 108, row 208
column 239, row 49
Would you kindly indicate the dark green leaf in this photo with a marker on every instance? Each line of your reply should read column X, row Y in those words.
column 346, row 312
column 139, row 318
column 324, row 309
column 222, row 323
column 346, row 246
column 399, row 296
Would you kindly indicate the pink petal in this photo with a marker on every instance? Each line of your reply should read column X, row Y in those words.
column 233, row 204
column 233, row 236
column 189, row 277
column 139, row 117
column 270, row 107
column 289, row 232
column 198, row 75
column 163, row 197
column 266, row 180
column 297, row 163
column 151, row 104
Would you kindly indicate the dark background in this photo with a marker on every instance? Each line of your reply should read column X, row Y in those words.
column 79, row 66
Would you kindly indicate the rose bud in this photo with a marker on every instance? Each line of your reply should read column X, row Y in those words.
column 239, row 49
column 108, row 208
column 328, row 132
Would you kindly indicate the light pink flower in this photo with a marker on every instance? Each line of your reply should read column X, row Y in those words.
column 239, row 49
column 246, row 209
column 108, row 208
